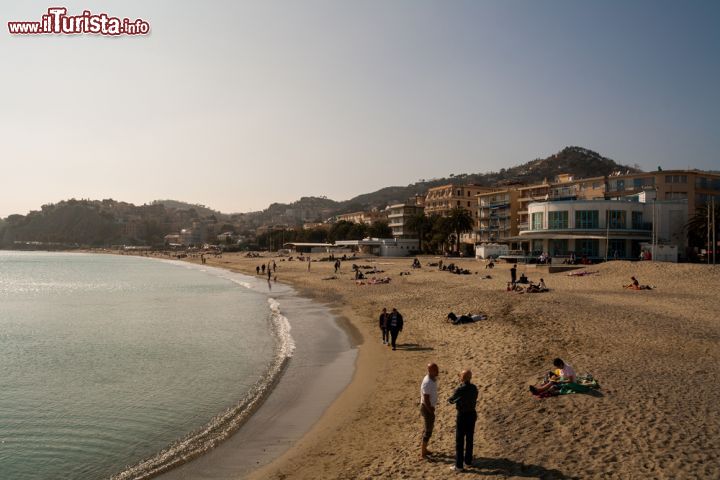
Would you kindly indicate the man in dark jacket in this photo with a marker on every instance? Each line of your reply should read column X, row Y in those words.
column 465, row 399
column 383, row 323
column 395, row 325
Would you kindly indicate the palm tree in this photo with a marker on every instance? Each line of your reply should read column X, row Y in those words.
column 419, row 224
column 459, row 221
column 697, row 225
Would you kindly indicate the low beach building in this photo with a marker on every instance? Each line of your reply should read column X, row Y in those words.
column 383, row 247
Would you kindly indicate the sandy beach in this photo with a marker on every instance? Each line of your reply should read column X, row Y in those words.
column 655, row 353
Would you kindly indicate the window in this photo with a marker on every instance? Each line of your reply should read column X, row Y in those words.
column 458, row 203
column 587, row 247
column 558, row 220
column 639, row 183
column 537, row 221
column 537, row 246
column 617, row 219
column 620, row 185
column 586, row 219
column 616, row 248
column 675, row 178
column 468, row 204
column 676, row 195
column 468, row 194
column 558, row 247
column 637, row 221
column 707, row 183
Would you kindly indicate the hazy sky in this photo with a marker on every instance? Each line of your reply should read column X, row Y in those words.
column 246, row 103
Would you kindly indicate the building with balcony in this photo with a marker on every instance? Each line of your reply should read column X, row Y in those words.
column 440, row 200
column 398, row 215
column 603, row 228
column 497, row 215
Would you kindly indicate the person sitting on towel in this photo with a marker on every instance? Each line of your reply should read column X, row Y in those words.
column 564, row 374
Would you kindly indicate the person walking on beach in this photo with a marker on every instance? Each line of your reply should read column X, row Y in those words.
column 309, row 263
column 513, row 274
column 428, row 401
column 269, row 273
column 383, row 324
column 465, row 400
column 257, row 269
column 395, row 324
column 263, row 268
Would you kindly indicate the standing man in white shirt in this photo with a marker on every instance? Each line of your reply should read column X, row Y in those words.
column 428, row 401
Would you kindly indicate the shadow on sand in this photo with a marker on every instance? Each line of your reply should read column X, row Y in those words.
column 412, row 347
column 504, row 467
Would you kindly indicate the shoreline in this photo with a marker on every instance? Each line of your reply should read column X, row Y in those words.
column 298, row 397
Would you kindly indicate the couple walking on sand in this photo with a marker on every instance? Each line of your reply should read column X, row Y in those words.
column 391, row 325
column 465, row 399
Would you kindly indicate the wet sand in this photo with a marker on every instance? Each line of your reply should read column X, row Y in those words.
column 656, row 354
column 319, row 370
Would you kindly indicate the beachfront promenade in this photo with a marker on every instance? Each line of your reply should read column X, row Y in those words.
column 656, row 354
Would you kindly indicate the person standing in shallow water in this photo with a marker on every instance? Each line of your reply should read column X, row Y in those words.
column 465, row 400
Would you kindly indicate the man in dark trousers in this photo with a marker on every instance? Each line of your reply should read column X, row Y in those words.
column 513, row 274
column 395, row 324
column 465, row 399
column 383, row 323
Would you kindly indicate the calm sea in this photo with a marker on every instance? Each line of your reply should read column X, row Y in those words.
column 107, row 360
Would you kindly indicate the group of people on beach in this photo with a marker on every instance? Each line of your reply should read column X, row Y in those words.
column 391, row 324
column 465, row 400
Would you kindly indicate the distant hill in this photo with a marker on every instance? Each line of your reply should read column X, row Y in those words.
column 201, row 210
column 580, row 162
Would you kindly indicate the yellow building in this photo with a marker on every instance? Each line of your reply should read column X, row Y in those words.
column 363, row 217
column 440, row 200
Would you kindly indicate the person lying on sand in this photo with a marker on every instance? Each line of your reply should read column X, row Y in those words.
column 564, row 374
column 469, row 318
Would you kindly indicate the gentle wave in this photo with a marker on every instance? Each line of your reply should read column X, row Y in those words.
column 225, row 424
